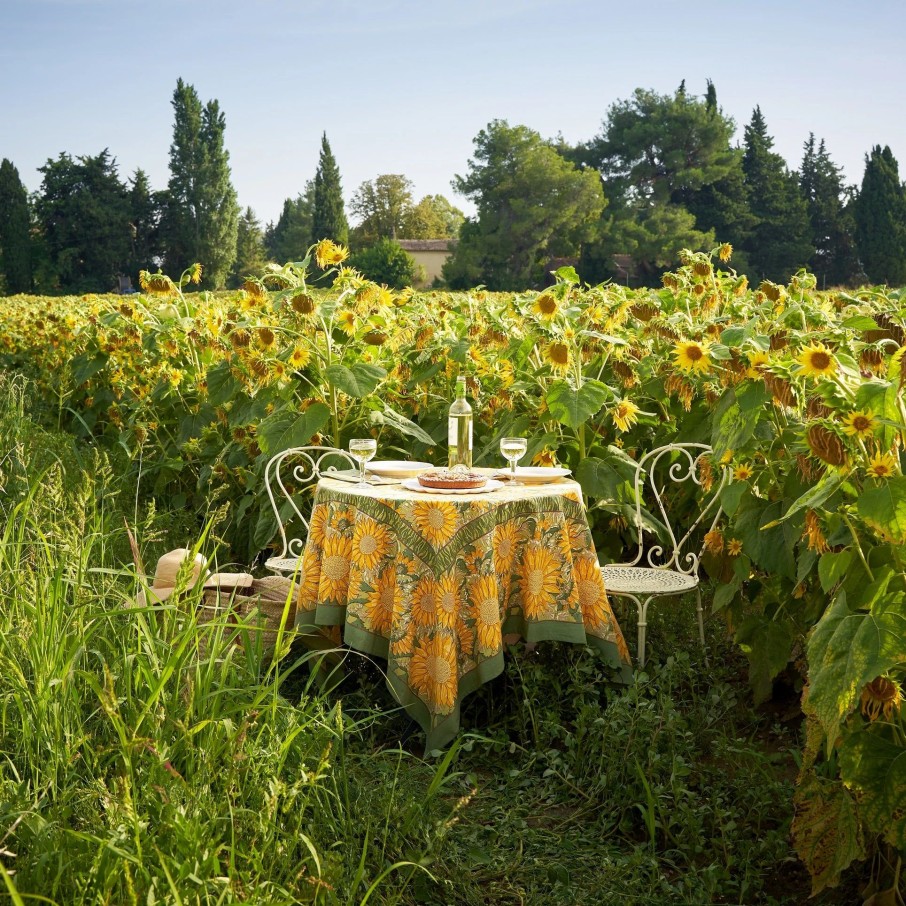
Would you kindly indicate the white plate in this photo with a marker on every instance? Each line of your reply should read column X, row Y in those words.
column 537, row 474
column 397, row 468
column 413, row 485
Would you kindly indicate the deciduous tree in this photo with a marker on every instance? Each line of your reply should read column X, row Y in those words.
column 15, row 241
column 532, row 205
column 382, row 205
column 434, row 217
column 84, row 213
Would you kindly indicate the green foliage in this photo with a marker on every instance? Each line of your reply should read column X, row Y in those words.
column 880, row 215
column 145, row 214
column 84, row 214
column 201, row 216
column 532, row 205
column 385, row 262
column 434, row 217
column 821, row 184
column 328, row 214
column 290, row 236
column 779, row 243
column 250, row 254
column 15, row 223
column 381, row 205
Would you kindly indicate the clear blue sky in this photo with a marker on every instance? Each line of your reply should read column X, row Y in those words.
column 403, row 86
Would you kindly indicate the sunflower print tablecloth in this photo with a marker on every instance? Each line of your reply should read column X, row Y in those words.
column 433, row 582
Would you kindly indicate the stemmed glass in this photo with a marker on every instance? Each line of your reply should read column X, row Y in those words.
column 513, row 449
column 362, row 449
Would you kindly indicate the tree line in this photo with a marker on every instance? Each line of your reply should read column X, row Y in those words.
column 663, row 174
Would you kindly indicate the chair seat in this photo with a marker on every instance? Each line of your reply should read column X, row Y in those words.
column 645, row 580
column 283, row 564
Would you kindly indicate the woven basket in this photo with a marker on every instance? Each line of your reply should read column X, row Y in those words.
column 255, row 607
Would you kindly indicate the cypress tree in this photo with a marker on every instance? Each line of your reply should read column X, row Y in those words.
column 15, row 242
column 329, row 217
column 820, row 181
column 779, row 243
column 880, row 215
column 250, row 258
column 289, row 238
column 144, row 219
column 202, row 212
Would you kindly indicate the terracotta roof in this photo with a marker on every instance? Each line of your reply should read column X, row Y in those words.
column 427, row 245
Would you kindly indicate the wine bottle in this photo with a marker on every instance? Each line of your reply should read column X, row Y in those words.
column 459, row 428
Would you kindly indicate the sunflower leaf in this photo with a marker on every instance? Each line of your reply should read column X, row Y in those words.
column 287, row 428
column 884, row 508
column 573, row 407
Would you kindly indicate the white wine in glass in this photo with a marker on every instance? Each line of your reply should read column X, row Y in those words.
column 362, row 449
column 513, row 449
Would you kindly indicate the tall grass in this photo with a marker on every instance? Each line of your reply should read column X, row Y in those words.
column 143, row 759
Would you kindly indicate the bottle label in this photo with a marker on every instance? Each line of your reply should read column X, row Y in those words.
column 453, row 431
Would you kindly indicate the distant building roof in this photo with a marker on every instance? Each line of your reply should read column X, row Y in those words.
column 427, row 245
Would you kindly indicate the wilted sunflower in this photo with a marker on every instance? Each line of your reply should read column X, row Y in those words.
column 302, row 304
column 882, row 465
column 725, row 252
column 328, row 253
column 692, row 357
column 825, row 445
column 882, row 696
column 557, row 353
column 158, row 284
column 255, row 288
column 813, row 531
column 625, row 414
column 817, row 361
column 546, row 306
column 859, row 424
column 195, row 272
column 266, row 337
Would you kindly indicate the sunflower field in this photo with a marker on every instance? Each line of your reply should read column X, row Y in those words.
column 799, row 392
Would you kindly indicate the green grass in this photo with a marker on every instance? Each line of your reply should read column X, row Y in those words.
column 137, row 768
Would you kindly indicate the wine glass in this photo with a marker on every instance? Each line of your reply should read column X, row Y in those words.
column 513, row 449
column 362, row 449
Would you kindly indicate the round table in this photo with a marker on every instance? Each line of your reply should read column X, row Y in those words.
column 433, row 582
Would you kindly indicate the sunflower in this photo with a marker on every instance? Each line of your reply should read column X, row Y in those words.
column 692, row 357
column 433, row 674
column 743, row 472
column 625, row 414
column 299, row 357
column 859, row 424
column 881, row 696
column 335, row 557
column 379, row 603
column 714, row 541
column 506, row 538
column 436, row 521
column 346, row 322
column 317, row 524
column 310, row 580
column 158, row 284
column 882, row 465
column 424, row 602
column 816, row 361
column 545, row 457
column 447, row 600
column 483, row 594
column 734, row 547
column 725, row 251
column 370, row 543
column 302, row 304
column 465, row 636
column 590, row 591
column 758, row 361
column 539, row 579
column 546, row 306
column 328, row 253
column 558, row 354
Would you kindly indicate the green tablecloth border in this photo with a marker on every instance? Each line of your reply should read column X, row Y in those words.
column 445, row 730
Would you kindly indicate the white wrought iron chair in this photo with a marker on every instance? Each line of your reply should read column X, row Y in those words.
column 677, row 574
column 285, row 474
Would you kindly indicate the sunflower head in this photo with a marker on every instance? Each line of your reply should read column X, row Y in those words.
column 158, row 284
column 882, row 465
column 255, row 289
column 882, row 696
column 692, row 357
column 725, row 252
column 743, row 472
column 558, row 354
column 734, row 547
column 625, row 414
column 302, row 304
column 859, row 424
column 825, row 445
column 328, row 254
column 816, row 360
column 546, row 306
column 266, row 337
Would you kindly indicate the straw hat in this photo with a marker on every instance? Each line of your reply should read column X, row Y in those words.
column 165, row 574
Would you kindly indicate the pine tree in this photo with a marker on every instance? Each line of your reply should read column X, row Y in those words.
column 250, row 255
column 144, row 218
column 329, row 217
column 880, row 215
column 202, row 212
column 289, row 238
column 834, row 262
column 779, row 243
column 15, row 242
